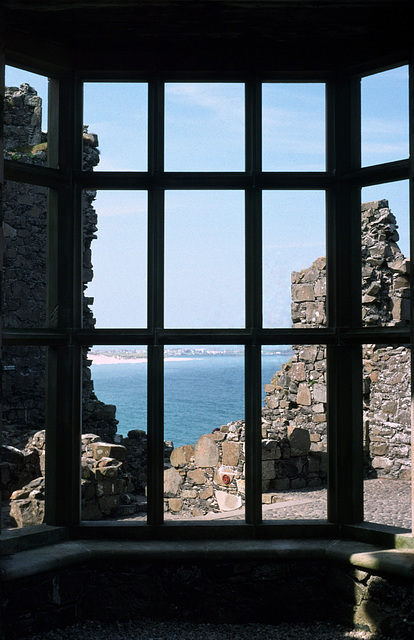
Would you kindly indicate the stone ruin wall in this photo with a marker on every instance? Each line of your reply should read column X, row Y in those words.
column 24, row 275
column 297, row 394
column 207, row 476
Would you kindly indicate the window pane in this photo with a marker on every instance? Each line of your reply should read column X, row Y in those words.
column 204, row 127
column 294, row 433
column 384, row 110
column 24, row 260
column 385, row 251
column 293, row 127
column 23, row 436
column 206, row 472
column 294, row 267
column 115, row 222
column 114, row 444
column 204, row 259
column 25, row 116
column 387, row 435
column 117, row 113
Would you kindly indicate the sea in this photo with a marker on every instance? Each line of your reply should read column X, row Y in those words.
column 201, row 393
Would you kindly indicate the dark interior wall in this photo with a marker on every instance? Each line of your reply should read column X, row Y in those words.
column 213, row 592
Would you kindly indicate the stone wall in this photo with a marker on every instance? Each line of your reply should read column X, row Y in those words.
column 210, row 476
column 24, row 274
column 297, row 393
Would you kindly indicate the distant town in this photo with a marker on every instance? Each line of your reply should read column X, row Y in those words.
column 184, row 352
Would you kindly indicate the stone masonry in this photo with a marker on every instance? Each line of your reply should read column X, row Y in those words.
column 24, row 274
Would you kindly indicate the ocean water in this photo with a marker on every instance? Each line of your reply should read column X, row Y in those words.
column 201, row 393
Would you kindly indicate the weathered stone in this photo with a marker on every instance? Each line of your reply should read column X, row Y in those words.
column 298, row 371
column 27, row 512
column 304, row 395
column 268, row 470
column 181, row 456
column 175, row 504
column 206, row 453
column 106, row 450
column 172, row 482
column 196, row 476
column 188, row 494
column 299, row 440
column 206, row 493
column 319, row 393
column 231, row 453
column 271, row 450
column 227, row 501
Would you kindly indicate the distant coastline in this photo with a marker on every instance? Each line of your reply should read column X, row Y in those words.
column 113, row 355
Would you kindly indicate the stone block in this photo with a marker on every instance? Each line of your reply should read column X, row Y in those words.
column 380, row 462
column 282, row 484
column 206, row 453
column 241, row 486
column 189, row 494
column 196, row 476
column 109, row 487
column 269, row 498
column 303, row 293
column 206, row 493
column 297, row 371
column 27, row 512
column 181, row 456
column 268, row 470
column 304, row 395
column 319, row 392
column 299, row 440
column 228, row 501
column 271, row 450
column 298, row 483
column 172, row 482
column 107, row 450
column 175, row 505
column 231, row 453
column 108, row 503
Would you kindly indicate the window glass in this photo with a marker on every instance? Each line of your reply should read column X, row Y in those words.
column 293, row 125
column 204, row 417
column 294, row 266
column 294, row 433
column 204, row 259
column 114, row 444
column 25, row 116
column 387, row 434
column 115, row 117
column 204, row 127
column 23, row 436
column 384, row 111
column 385, row 254
column 115, row 258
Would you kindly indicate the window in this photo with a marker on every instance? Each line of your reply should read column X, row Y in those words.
column 194, row 218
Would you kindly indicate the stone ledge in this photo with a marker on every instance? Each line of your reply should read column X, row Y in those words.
column 66, row 554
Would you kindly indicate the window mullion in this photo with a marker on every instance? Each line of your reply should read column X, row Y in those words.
column 65, row 291
column 253, row 239
column 344, row 374
column 155, row 398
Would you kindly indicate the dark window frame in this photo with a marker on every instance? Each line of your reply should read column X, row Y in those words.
column 344, row 334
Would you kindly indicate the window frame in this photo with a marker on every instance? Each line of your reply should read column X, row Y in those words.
column 343, row 335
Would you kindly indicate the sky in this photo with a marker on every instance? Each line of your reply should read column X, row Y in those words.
column 204, row 234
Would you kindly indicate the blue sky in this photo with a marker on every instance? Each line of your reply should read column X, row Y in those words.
column 204, row 131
